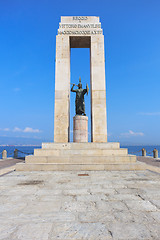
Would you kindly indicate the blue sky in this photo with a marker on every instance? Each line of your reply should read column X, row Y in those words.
column 28, row 31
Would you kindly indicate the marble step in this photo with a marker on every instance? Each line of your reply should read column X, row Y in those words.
column 80, row 152
column 80, row 160
column 89, row 145
column 80, row 167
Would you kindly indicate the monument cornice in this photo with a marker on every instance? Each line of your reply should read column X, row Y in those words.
column 80, row 25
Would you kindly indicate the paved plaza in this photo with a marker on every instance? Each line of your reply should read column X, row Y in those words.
column 97, row 205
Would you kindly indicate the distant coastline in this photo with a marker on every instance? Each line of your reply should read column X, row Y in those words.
column 27, row 149
column 20, row 145
column 37, row 145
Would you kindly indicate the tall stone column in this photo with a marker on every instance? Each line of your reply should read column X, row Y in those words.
column 62, row 90
column 98, row 90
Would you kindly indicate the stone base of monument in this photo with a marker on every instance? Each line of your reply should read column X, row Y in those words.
column 80, row 156
column 80, row 129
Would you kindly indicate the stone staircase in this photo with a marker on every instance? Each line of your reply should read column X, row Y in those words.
column 80, row 156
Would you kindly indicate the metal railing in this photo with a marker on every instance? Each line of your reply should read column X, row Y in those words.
column 16, row 151
column 5, row 154
column 145, row 152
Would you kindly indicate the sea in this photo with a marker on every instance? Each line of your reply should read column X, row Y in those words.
column 28, row 150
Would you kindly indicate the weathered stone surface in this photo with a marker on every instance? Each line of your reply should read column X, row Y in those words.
column 99, row 118
column 80, row 167
column 80, row 32
column 80, row 156
column 80, row 129
column 89, row 145
column 62, row 90
column 62, row 205
column 81, row 152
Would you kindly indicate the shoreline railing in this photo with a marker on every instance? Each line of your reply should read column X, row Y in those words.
column 14, row 154
column 16, row 151
column 145, row 152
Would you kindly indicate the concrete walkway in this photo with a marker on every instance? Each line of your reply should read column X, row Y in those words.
column 8, row 165
column 150, row 160
column 94, row 205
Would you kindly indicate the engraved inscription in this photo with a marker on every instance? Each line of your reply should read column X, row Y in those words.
column 79, row 18
column 79, row 25
column 80, row 32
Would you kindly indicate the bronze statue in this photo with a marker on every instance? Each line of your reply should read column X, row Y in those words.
column 79, row 102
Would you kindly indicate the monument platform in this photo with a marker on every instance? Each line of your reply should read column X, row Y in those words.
column 77, row 205
column 80, row 156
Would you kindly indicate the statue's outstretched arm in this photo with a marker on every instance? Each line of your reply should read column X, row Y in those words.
column 72, row 90
column 84, row 91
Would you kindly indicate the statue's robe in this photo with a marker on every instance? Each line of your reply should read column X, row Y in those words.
column 79, row 102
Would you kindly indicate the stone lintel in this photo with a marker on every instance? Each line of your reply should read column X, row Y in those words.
column 80, row 42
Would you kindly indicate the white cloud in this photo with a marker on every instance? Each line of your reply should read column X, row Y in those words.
column 26, row 130
column 5, row 129
column 16, row 129
column 31, row 130
column 149, row 113
column 131, row 133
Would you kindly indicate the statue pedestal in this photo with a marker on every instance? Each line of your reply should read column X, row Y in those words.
column 80, row 128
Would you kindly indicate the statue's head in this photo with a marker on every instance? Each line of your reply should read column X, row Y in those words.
column 79, row 84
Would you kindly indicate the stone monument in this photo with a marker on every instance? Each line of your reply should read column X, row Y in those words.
column 80, row 32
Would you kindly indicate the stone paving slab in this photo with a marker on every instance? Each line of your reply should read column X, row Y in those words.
column 150, row 160
column 8, row 162
column 8, row 165
column 62, row 205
